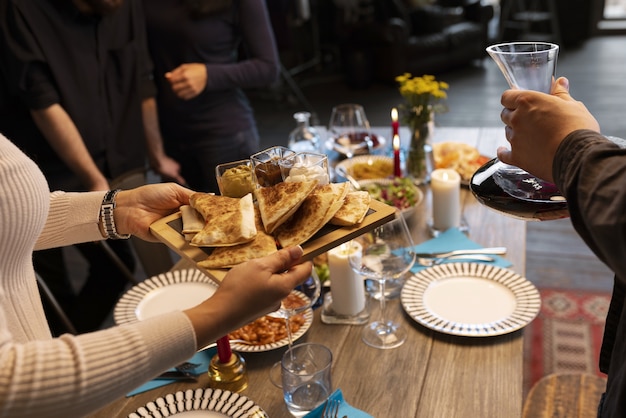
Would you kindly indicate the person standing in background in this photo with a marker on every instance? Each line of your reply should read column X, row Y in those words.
column 206, row 119
column 76, row 95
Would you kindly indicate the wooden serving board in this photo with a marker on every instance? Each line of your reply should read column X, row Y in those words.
column 169, row 231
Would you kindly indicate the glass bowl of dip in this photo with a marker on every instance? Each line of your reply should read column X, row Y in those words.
column 234, row 179
column 305, row 166
column 266, row 165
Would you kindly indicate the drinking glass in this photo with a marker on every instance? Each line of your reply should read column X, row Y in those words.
column 526, row 66
column 311, row 288
column 386, row 254
column 306, row 377
column 350, row 130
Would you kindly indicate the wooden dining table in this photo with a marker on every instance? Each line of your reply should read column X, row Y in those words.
column 431, row 375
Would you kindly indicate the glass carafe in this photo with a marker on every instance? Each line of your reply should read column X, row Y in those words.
column 304, row 137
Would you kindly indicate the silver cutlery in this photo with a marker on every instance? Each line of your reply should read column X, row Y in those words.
column 331, row 409
column 181, row 372
column 490, row 250
column 434, row 261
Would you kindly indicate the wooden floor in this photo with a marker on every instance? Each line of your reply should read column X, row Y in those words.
column 556, row 256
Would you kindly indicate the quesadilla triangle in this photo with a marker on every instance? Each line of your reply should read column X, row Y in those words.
column 277, row 203
column 193, row 222
column 227, row 221
column 339, row 192
column 223, row 257
column 309, row 218
column 354, row 208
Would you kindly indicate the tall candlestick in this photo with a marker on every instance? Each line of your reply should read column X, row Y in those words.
column 397, row 172
column 445, row 185
column 395, row 125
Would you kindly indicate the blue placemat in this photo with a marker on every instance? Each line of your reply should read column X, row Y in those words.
column 453, row 239
column 345, row 409
column 202, row 358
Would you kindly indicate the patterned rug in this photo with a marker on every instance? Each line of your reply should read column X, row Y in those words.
column 566, row 335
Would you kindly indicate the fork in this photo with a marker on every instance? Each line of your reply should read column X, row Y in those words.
column 331, row 409
column 429, row 262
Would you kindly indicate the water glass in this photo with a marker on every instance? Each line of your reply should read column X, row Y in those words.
column 305, row 375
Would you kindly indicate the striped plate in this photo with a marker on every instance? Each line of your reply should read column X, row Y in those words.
column 470, row 299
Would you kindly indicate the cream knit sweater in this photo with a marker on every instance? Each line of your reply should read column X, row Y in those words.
column 69, row 376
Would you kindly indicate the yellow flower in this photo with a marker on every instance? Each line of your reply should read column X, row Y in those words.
column 423, row 96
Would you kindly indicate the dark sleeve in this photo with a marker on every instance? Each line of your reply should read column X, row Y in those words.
column 24, row 65
column 147, row 88
column 590, row 171
column 261, row 65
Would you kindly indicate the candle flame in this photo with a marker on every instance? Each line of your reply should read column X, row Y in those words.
column 394, row 114
column 396, row 142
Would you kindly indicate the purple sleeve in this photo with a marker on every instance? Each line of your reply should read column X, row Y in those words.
column 261, row 65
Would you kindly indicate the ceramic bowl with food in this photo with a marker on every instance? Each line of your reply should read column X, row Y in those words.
column 399, row 192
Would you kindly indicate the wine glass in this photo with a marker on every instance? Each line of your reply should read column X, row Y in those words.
column 385, row 254
column 311, row 288
column 350, row 130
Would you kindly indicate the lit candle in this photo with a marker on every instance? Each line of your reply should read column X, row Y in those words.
column 346, row 287
column 446, row 188
column 397, row 172
column 395, row 125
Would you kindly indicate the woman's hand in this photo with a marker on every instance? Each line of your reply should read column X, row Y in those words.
column 188, row 80
column 138, row 208
column 249, row 291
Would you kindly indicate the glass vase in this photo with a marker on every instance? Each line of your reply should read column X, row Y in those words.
column 419, row 161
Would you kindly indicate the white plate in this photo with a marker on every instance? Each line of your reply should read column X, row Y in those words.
column 180, row 290
column 308, row 320
column 344, row 166
column 201, row 403
column 470, row 299
column 167, row 292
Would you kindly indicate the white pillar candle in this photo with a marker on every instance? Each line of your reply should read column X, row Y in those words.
column 446, row 189
column 346, row 287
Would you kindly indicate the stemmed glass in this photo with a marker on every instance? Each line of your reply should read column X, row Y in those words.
column 385, row 254
column 350, row 130
column 311, row 288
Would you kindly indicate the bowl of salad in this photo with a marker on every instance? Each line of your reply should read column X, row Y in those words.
column 399, row 192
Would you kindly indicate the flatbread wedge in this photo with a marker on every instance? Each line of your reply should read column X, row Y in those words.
column 228, row 221
column 354, row 208
column 339, row 192
column 277, row 203
column 224, row 257
column 193, row 222
column 307, row 220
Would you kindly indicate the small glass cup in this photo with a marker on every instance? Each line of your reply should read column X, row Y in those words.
column 266, row 165
column 234, row 179
column 305, row 166
column 306, row 377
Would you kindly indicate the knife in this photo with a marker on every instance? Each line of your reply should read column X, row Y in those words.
column 491, row 250
column 176, row 375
